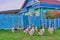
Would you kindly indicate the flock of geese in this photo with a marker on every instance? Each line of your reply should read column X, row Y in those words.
column 30, row 30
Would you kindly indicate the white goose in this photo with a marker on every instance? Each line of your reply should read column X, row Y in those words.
column 27, row 29
column 19, row 28
column 50, row 29
column 41, row 31
column 31, row 32
column 13, row 29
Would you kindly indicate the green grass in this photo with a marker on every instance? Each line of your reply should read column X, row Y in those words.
column 20, row 35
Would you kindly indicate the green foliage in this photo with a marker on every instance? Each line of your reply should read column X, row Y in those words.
column 48, row 15
column 52, row 14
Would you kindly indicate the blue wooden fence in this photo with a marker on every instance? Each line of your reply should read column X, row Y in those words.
column 8, row 21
